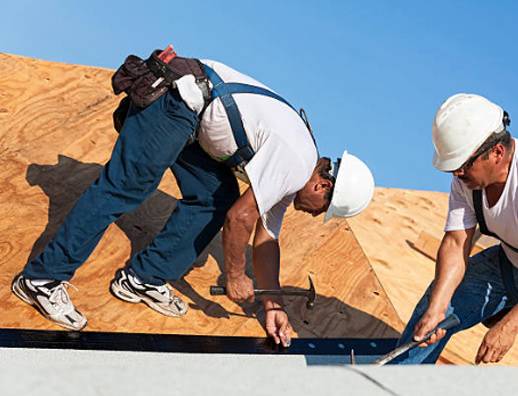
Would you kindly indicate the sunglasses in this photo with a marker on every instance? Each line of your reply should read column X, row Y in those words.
column 485, row 148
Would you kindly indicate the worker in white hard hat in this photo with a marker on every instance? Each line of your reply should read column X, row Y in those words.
column 350, row 187
column 204, row 121
column 472, row 142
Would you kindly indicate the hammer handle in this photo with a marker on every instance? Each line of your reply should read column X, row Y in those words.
column 222, row 290
column 448, row 323
column 218, row 290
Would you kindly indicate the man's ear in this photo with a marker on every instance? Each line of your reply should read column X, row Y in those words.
column 499, row 151
column 325, row 184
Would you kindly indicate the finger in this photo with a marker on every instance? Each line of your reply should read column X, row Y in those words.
column 417, row 331
column 432, row 340
column 440, row 334
column 276, row 338
column 493, row 356
column 503, row 352
column 285, row 335
column 422, row 329
column 232, row 295
column 481, row 351
column 486, row 356
column 272, row 332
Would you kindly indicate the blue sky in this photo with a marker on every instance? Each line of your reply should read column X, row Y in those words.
column 370, row 74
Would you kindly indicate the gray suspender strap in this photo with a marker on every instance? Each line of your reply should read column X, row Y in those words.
column 506, row 267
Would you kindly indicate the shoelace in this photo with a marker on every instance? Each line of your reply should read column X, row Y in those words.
column 59, row 297
column 167, row 291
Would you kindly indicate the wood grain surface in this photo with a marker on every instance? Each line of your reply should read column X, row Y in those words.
column 388, row 231
column 55, row 135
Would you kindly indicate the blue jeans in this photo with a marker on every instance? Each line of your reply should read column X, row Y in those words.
column 480, row 295
column 152, row 140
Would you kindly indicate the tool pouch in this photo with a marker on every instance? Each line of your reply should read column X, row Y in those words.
column 136, row 79
column 139, row 79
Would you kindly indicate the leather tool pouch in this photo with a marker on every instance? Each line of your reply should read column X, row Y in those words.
column 144, row 81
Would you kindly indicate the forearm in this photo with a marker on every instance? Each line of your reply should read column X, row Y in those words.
column 236, row 235
column 266, row 257
column 510, row 321
column 449, row 272
column 238, row 227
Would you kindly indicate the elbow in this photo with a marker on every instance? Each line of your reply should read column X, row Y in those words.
column 239, row 219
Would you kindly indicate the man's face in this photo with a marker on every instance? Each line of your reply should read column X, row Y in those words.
column 314, row 196
column 476, row 173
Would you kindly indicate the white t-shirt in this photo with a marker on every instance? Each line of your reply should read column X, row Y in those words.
column 285, row 154
column 502, row 218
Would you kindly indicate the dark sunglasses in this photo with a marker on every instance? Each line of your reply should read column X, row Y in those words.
column 485, row 148
column 487, row 145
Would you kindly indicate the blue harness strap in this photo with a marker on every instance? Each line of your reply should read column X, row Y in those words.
column 224, row 91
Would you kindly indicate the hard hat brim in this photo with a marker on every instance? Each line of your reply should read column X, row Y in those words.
column 452, row 164
column 445, row 165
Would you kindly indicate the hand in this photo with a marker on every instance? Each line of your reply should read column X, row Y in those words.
column 428, row 322
column 497, row 341
column 240, row 288
column 277, row 325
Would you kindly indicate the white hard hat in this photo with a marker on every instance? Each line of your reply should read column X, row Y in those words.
column 462, row 123
column 353, row 189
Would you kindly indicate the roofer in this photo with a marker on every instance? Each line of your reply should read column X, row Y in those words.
column 473, row 143
column 202, row 120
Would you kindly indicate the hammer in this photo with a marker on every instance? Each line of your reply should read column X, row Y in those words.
column 451, row 321
column 310, row 293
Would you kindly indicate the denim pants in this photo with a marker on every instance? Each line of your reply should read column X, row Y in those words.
column 152, row 140
column 480, row 295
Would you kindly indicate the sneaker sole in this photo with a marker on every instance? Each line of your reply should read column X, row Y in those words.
column 127, row 296
column 18, row 292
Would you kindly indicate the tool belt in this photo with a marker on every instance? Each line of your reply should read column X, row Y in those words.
column 146, row 80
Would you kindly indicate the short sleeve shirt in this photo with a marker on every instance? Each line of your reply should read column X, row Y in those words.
column 285, row 153
column 502, row 218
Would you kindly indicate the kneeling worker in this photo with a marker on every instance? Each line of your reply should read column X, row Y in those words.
column 212, row 120
column 473, row 143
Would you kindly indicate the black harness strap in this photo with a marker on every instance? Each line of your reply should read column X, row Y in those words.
column 506, row 267
column 477, row 203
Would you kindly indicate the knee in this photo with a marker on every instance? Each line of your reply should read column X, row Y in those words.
column 131, row 181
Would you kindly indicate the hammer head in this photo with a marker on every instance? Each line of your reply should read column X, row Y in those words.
column 312, row 295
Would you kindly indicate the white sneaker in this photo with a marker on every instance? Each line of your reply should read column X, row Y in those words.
column 129, row 288
column 51, row 299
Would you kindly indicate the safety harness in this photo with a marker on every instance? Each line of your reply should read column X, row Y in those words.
column 506, row 267
column 145, row 81
column 224, row 92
